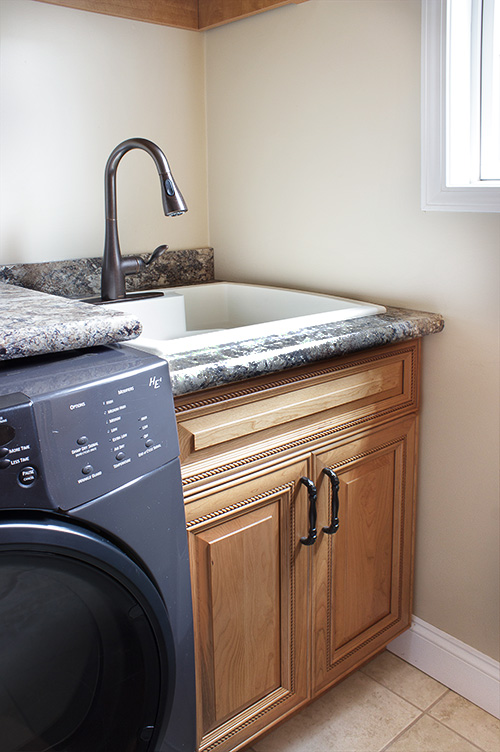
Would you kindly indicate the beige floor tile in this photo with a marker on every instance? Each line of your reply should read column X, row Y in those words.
column 468, row 720
column 407, row 681
column 358, row 715
column 427, row 735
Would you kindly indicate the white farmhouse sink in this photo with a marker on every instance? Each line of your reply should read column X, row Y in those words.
column 220, row 312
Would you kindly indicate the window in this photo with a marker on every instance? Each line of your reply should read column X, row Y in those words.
column 461, row 105
column 490, row 91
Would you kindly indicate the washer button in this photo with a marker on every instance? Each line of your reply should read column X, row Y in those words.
column 27, row 476
column 149, row 442
column 87, row 469
column 82, row 440
column 4, row 463
column 3, row 452
column 120, row 456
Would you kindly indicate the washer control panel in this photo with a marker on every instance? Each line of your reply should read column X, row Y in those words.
column 19, row 452
column 85, row 440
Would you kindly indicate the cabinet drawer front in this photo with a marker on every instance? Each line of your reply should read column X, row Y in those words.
column 343, row 392
column 210, row 430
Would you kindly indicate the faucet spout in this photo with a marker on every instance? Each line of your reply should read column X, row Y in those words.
column 114, row 267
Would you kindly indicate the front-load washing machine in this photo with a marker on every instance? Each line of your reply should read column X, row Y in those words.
column 96, row 635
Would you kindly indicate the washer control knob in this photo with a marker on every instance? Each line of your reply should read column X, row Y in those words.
column 7, row 433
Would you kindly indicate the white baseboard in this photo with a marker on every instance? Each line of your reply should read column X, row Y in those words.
column 459, row 667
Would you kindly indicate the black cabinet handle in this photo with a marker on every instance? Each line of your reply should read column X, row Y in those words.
column 313, row 495
column 334, row 480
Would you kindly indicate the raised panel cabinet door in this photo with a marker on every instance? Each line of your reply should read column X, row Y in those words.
column 249, row 575
column 363, row 572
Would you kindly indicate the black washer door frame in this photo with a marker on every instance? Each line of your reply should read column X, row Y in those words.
column 114, row 605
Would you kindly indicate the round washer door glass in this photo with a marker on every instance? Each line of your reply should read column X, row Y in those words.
column 81, row 665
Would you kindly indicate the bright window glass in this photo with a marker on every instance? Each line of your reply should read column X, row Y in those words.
column 490, row 92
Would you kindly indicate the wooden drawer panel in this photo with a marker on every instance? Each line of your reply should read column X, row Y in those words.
column 338, row 394
column 215, row 428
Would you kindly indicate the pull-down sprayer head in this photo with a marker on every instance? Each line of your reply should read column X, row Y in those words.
column 173, row 202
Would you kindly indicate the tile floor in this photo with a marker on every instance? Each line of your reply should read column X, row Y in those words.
column 387, row 706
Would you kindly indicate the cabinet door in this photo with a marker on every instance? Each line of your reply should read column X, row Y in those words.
column 363, row 572
column 249, row 577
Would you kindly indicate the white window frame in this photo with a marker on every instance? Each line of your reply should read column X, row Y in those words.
column 437, row 195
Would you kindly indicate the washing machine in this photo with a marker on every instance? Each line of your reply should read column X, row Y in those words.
column 96, row 629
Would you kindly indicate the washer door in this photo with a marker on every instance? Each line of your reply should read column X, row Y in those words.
column 86, row 653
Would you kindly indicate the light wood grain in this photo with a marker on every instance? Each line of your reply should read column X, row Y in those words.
column 363, row 573
column 215, row 428
column 249, row 579
column 217, row 12
column 364, row 548
column 185, row 14
column 242, row 561
column 180, row 13
column 221, row 427
column 277, row 622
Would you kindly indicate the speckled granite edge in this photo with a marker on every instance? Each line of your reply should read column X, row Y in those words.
column 81, row 278
column 195, row 370
column 35, row 323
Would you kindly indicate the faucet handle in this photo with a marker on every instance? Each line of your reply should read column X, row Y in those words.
column 134, row 264
column 156, row 254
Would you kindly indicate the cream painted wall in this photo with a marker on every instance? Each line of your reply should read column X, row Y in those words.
column 313, row 143
column 314, row 181
column 72, row 86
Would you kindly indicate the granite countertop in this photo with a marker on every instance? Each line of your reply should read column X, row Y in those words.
column 208, row 367
column 35, row 323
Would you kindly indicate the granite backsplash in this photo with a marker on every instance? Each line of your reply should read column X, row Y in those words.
column 81, row 278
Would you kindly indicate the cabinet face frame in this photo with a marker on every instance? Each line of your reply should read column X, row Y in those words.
column 229, row 516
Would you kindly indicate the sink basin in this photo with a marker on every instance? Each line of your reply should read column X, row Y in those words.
column 197, row 316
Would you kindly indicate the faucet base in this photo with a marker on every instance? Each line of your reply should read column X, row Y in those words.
column 129, row 296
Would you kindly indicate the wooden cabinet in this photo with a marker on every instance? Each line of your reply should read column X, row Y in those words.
column 197, row 15
column 277, row 621
column 250, row 593
column 362, row 574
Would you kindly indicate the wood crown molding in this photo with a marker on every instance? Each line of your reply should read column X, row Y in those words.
column 195, row 15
